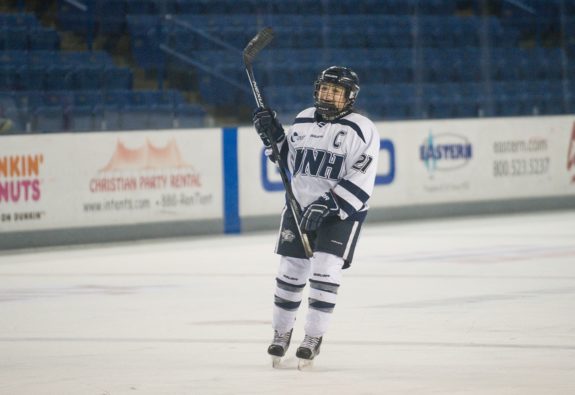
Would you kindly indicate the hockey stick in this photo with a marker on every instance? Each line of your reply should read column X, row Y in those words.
column 261, row 40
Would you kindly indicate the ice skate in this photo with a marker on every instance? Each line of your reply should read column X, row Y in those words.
column 279, row 346
column 308, row 350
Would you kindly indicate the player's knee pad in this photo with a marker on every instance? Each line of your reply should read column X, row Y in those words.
column 290, row 282
column 293, row 270
column 324, row 281
column 326, row 267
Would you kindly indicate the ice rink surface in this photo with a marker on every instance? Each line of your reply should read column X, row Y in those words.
column 482, row 305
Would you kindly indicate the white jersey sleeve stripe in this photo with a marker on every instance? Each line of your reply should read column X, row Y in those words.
column 355, row 190
column 348, row 201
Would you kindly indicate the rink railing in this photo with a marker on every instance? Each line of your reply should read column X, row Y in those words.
column 113, row 186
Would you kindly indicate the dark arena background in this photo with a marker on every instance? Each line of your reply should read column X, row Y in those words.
column 93, row 65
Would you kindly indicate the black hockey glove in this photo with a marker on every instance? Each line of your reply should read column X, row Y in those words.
column 268, row 126
column 314, row 214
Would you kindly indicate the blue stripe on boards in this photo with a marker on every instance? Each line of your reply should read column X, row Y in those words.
column 232, row 222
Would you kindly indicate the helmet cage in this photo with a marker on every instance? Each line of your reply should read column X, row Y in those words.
column 340, row 76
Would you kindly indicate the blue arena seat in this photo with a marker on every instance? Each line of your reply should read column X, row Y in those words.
column 32, row 78
column 135, row 117
column 14, row 38
column 86, row 118
column 467, row 107
column 88, row 98
column 19, row 19
column 50, row 115
column 39, row 58
column 117, row 78
column 58, row 78
column 111, row 16
column 87, row 78
column 190, row 116
column 141, row 7
column 13, row 57
column 44, row 39
column 9, row 110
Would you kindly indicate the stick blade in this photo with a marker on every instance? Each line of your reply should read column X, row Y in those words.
column 259, row 42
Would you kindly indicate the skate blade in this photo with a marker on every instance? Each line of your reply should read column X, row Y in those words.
column 305, row 364
column 276, row 362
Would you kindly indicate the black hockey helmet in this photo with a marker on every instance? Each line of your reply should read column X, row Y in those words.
column 342, row 76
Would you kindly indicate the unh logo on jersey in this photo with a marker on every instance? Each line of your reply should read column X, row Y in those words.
column 318, row 163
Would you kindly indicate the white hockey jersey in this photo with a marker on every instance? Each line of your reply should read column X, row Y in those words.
column 340, row 156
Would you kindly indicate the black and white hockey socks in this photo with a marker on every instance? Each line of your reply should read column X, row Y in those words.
column 287, row 300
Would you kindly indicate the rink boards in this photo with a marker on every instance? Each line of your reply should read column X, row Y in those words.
column 69, row 188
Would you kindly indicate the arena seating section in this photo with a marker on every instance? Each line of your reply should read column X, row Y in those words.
column 415, row 59
column 45, row 89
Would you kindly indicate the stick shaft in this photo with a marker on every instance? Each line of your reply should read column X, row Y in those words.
column 254, row 85
column 282, row 167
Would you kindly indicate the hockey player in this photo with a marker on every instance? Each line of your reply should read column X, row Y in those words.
column 332, row 156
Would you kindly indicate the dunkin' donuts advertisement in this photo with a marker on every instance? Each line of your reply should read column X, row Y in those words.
column 22, row 175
